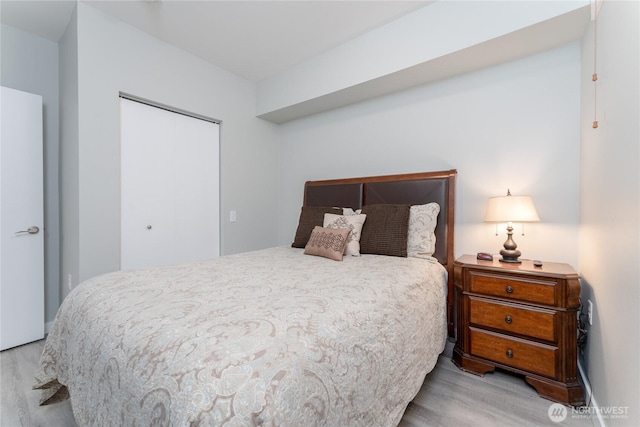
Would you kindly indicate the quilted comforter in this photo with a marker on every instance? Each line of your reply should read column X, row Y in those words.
column 271, row 337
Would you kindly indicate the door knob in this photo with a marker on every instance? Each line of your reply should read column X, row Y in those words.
column 31, row 230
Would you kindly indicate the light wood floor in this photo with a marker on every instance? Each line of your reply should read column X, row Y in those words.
column 449, row 397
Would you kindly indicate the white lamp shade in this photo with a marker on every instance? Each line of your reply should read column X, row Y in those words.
column 511, row 209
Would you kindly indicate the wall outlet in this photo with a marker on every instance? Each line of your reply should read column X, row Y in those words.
column 590, row 312
column 70, row 282
column 233, row 216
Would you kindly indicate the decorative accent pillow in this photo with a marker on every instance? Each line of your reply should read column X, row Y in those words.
column 353, row 223
column 350, row 211
column 386, row 229
column 327, row 242
column 421, row 240
column 310, row 216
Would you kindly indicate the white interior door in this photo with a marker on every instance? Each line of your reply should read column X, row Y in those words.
column 169, row 187
column 21, row 219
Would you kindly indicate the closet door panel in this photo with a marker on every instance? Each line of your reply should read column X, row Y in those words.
column 147, row 186
column 197, row 186
column 170, row 187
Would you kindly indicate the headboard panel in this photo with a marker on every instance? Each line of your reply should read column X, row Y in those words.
column 415, row 192
column 339, row 195
column 412, row 189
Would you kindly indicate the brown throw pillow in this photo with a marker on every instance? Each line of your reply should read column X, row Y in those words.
column 310, row 216
column 327, row 242
column 385, row 230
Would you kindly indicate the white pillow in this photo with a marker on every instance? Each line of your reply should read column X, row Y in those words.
column 349, row 211
column 421, row 239
column 352, row 222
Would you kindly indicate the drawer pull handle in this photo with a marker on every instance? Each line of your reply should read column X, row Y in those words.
column 509, row 353
column 508, row 320
column 509, row 289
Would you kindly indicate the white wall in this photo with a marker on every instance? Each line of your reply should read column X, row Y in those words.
column 610, row 209
column 69, row 203
column 514, row 125
column 115, row 57
column 30, row 64
column 468, row 35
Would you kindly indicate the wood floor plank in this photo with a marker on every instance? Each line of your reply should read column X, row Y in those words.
column 14, row 407
column 448, row 397
column 19, row 404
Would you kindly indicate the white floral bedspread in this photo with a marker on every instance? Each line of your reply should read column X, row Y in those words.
column 272, row 337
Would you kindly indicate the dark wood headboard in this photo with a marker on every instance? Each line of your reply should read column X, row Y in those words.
column 411, row 189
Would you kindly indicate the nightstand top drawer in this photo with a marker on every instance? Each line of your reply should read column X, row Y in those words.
column 512, row 287
column 554, row 284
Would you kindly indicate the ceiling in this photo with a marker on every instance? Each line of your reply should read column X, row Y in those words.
column 253, row 39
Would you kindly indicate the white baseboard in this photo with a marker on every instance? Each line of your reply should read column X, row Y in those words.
column 591, row 399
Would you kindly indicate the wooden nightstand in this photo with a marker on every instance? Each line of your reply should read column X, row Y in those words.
column 520, row 318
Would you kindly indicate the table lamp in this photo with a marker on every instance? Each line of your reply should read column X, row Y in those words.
column 511, row 209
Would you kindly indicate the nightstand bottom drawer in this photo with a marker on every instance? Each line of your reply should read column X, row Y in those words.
column 526, row 355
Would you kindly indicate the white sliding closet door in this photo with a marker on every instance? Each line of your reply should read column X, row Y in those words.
column 170, row 187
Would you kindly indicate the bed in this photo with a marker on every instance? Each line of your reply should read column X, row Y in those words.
column 269, row 337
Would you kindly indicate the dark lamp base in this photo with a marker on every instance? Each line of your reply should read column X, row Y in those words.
column 510, row 256
column 510, row 261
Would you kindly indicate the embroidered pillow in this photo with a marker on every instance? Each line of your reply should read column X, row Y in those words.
column 421, row 239
column 351, row 222
column 310, row 216
column 327, row 242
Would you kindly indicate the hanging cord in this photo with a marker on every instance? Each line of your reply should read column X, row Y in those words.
column 594, row 76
